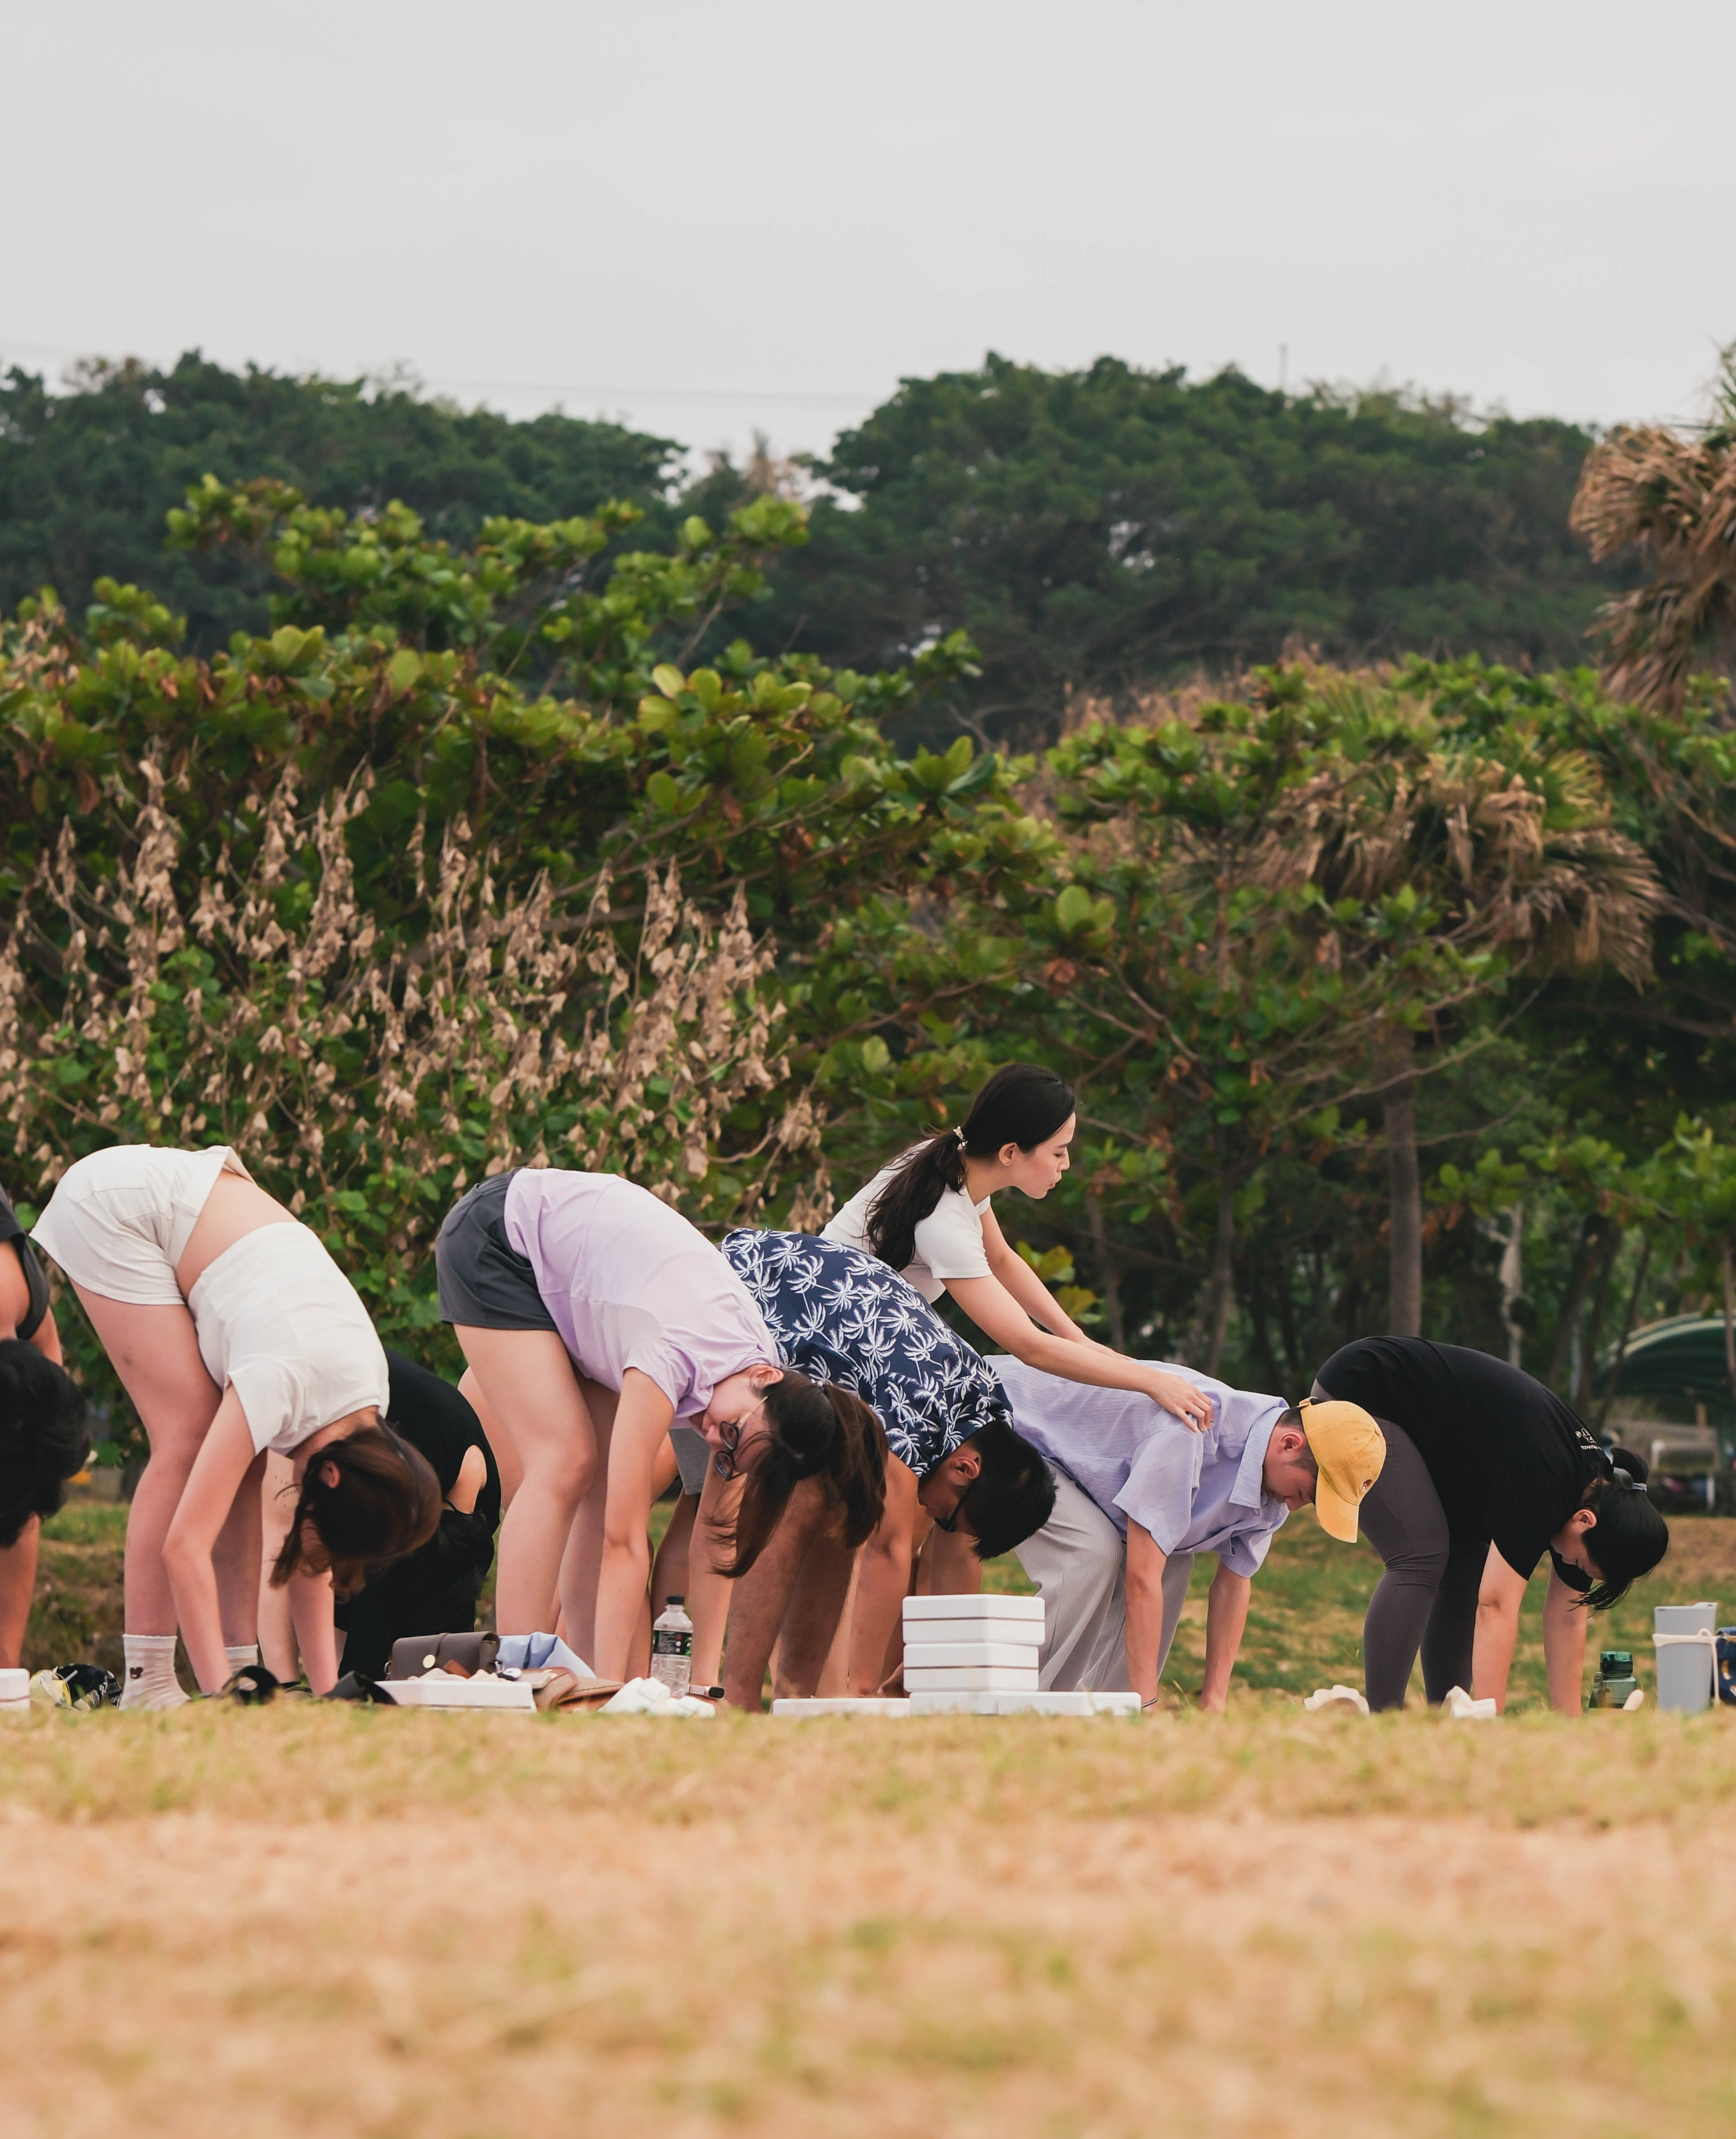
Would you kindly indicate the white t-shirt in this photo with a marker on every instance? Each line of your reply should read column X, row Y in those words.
column 949, row 1240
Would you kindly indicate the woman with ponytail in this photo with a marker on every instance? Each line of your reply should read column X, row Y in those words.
column 234, row 1334
column 595, row 1320
column 929, row 1215
column 45, row 1436
column 1487, row 1470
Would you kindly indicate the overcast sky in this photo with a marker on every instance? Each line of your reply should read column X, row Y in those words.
column 704, row 216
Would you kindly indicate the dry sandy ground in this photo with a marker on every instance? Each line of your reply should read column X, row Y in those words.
column 623, row 1929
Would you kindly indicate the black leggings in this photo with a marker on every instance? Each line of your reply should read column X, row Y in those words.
column 1427, row 1598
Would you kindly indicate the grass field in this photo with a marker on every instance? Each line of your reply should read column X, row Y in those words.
column 311, row 1921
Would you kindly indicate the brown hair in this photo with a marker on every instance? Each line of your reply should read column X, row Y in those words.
column 817, row 1430
column 386, row 1502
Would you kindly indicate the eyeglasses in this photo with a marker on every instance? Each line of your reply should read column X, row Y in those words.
column 725, row 1460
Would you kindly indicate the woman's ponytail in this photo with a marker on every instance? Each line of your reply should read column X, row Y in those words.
column 1021, row 1104
column 817, row 1430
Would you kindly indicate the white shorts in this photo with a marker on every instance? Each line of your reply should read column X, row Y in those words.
column 119, row 1220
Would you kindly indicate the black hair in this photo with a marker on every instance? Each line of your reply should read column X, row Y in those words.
column 1022, row 1105
column 1011, row 1497
column 1629, row 1536
column 45, row 1436
column 817, row 1430
column 385, row 1503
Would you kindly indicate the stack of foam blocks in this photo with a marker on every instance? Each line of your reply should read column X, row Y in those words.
column 968, row 1656
column 986, row 1647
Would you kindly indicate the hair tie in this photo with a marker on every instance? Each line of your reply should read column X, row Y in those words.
column 959, row 1134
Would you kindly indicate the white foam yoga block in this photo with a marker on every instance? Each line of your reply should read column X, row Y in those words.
column 1026, row 1634
column 447, row 1690
column 969, row 1678
column 801, row 1711
column 1004, row 1704
column 1006, row 1655
column 978, row 1606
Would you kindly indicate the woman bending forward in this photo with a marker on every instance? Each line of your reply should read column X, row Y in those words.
column 594, row 1317
column 234, row 1333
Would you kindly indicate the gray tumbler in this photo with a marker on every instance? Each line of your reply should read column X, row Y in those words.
column 1686, row 1667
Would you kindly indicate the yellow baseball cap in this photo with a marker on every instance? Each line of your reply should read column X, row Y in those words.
column 1350, row 1450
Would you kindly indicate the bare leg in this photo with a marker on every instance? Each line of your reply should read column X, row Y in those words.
column 669, row 1569
column 835, row 1677
column 236, row 1558
column 530, row 1389
column 642, row 1416
column 506, row 1460
column 17, row 1585
column 815, row 1605
column 709, row 1592
column 155, row 1352
column 761, row 1598
column 581, row 1563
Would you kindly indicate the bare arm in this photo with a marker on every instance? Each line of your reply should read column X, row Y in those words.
column 1145, row 1564
column 224, row 1459
column 1564, row 1647
column 995, row 1312
column 883, row 1579
column 1226, row 1615
column 310, row 1612
column 1026, row 1287
column 1497, row 1629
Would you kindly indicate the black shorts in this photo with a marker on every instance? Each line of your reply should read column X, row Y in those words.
column 484, row 1282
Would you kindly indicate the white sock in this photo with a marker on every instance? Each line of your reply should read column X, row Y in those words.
column 151, row 1680
column 241, row 1654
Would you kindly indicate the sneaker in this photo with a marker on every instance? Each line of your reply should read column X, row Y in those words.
column 77, row 1685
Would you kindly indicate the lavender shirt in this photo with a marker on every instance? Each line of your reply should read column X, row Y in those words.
column 630, row 1283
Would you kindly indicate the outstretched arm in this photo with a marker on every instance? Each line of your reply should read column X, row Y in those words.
column 1025, row 1285
column 1226, row 1615
column 995, row 1312
column 224, row 1459
column 1497, row 1629
column 883, row 1579
column 1564, row 1645
column 1145, row 1564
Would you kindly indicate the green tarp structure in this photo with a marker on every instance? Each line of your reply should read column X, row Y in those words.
column 1674, row 1366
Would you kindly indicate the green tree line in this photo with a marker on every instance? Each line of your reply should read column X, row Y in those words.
column 1098, row 533
column 513, row 846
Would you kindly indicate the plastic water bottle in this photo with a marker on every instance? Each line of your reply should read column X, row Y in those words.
column 672, row 1647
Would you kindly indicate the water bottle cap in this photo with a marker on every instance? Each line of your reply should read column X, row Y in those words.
column 675, row 1599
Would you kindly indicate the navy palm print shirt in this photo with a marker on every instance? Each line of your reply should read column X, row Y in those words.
column 842, row 1316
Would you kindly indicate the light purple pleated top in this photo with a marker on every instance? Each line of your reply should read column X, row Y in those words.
column 630, row 1283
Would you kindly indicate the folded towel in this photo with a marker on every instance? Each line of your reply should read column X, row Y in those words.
column 650, row 1696
column 1336, row 1697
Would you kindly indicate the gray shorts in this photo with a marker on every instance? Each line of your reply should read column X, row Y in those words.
column 484, row 1282
column 693, row 1457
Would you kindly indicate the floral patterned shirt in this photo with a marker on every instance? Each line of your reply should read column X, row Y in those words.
column 842, row 1316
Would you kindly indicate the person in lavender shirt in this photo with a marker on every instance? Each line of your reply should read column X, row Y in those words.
column 594, row 1318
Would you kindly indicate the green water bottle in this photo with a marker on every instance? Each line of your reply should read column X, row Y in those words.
column 1614, row 1679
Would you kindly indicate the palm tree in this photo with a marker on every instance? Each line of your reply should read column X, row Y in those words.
column 1674, row 498
column 1488, row 856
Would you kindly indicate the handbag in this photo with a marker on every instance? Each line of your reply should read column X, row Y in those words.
column 465, row 1654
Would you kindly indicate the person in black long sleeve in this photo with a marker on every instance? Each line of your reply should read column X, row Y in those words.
column 433, row 1590
column 1486, row 1470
